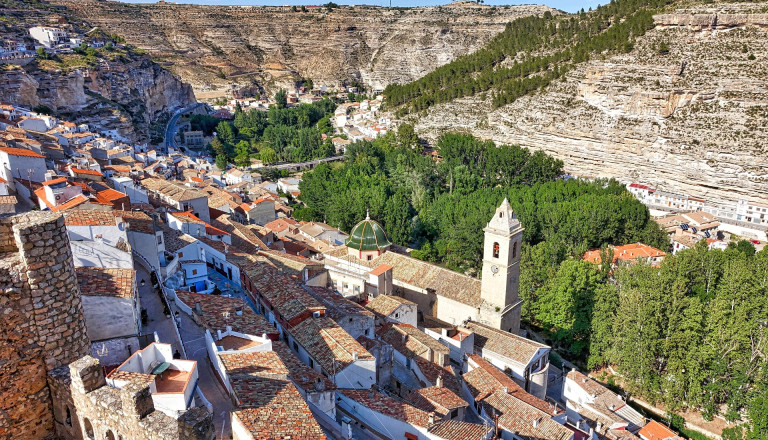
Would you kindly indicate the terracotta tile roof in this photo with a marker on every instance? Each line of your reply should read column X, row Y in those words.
column 273, row 409
column 380, row 269
column 108, row 196
column 519, row 417
column 90, row 217
column 20, row 152
column 385, row 305
column 432, row 371
column 389, row 406
column 280, row 224
column 175, row 240
column 214, row 307
column 82, row 171
column 288, row 298
column 187, row 217
column 486, row 379
column 513, row 347
column 410, row 341
column 97, row 281
column 326, row 342
column 210, row 230
column 656, row 431
column 336, row 306
column 8, row 200
column 230, row 342
column 627, row 253
column 265, row 364
column 295, row 262
column 436, row 399
column 3, row 180
column 427, row 276
column 458, row 430
column 299, row 372
column 138, row 221
column 172, row 190
column 55, row 181
column 71, row 203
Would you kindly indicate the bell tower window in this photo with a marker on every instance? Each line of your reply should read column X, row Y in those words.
column 514, row 250
column 496, row 250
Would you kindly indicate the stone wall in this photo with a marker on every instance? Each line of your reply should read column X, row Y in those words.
column 86, row 407
column 42, row 327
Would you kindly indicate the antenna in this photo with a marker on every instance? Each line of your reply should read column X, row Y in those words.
column 103, row 351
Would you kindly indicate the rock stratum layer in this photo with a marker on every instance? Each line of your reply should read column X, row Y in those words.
column 691, row 121
column 376, row 46
column 119, row 90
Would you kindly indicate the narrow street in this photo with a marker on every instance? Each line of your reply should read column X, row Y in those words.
column 194, row 346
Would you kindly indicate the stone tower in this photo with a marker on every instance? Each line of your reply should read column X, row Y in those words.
column 501, row 270
column 42, row 324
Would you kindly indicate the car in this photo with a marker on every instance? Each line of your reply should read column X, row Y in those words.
column 754, row 241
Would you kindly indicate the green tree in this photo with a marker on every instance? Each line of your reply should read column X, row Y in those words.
column 225, row 132
column 281, row 98
column 406, row 136
column 222, row 162
column 243, row 154
column 268, row 155
column 565, row 304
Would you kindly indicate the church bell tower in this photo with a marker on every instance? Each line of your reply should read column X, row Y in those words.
column 501, row 267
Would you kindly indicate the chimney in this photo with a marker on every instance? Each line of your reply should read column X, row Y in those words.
column 444, row 332
column 238, row 311
column 370, row 392
column 354, row 356
column 432, row 418
column 198, row 308
column 613, row 407
column 536, row 423
column 319, row 385
column 439, row 382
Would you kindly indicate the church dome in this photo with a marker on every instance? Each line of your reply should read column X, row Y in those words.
column 368, row 235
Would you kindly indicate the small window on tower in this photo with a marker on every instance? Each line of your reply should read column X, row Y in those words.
column 501, row 214
column 495, row 250
column 514, row 250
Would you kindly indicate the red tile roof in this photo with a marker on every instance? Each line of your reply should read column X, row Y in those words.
column 97, row 281
column 90, row 217
column 389, row 406
column 82, row 171
column 187, row 217
column 436, row 399
column 274, row 409
column 626, row 253
column 514, row 347
column 329, row 344
column 20, row 152
column 458, row 430
column 656, row 431
column 380, row 269
column 280, row 224
column 265, row 364
column 54, row 181
column 215, row 306
column 109, row 195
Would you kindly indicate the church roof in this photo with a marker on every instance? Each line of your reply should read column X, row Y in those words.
column 367, row 235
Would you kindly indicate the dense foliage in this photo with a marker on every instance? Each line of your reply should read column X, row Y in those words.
column 281, row 134
column 529, row 54
column 441, row 208
column 693, row 332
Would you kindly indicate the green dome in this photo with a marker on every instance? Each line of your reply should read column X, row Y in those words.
column 367, row 235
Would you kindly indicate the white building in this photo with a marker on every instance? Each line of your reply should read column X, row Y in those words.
column 21, row 164
column 48, row 37
column 172, row 382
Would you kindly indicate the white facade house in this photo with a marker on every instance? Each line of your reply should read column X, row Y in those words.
column 173, row 381
column 349, row 365
column 48, row 37
column 21, row 164
column 752, row 212
column 135, row 193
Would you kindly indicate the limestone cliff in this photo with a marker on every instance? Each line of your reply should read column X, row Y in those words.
column 691, row 120
column 117, row 89
column 275, row 45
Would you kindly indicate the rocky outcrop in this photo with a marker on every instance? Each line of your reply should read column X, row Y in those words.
column 690, row 121
column 126, row 95
column 711, row 21
column 275, row 45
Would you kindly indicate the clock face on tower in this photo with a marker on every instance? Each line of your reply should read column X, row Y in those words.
column 494, row 268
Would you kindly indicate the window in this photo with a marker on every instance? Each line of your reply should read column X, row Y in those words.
column 495, row 250
column 295, row 346
column 110, row 435
column 159, row 239
column 501, row 214
column 194, row 271
column 514, row 250
column 181, row 254
column 311, row 364
column 68, row 419
column 370, row 257
column 455, row 413
column 88, row 429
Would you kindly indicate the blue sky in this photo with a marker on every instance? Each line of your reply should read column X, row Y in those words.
column 565, row 5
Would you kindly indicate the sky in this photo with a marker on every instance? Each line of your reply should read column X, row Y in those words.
column 565, row 5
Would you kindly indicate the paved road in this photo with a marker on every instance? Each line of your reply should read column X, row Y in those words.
column 194, row 345
column 170, row 129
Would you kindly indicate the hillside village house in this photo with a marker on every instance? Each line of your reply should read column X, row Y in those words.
column 438, row 292
column 628, row 254
column 22, row 164
column 179, row 197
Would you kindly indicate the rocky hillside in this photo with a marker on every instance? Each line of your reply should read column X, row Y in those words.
column 118, row 89
column 684, row 111
column 273, row 45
